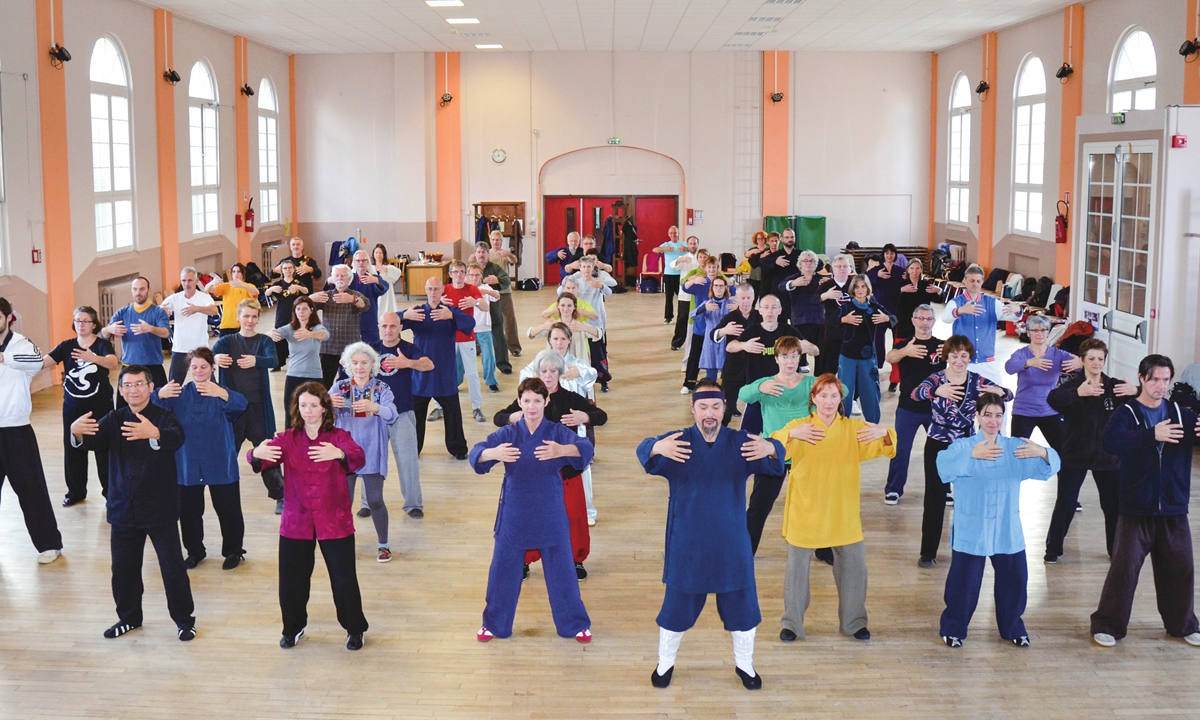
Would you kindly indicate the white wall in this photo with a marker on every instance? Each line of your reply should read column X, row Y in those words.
column 1105, row 22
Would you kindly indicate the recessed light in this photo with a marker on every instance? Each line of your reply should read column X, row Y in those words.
column 755, row 33
column 765, row 19
column 476, row 35
column 463, row 21
column 489, row 47
column 444, row 3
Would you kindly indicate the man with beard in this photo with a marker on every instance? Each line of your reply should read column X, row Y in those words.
column 778, row 266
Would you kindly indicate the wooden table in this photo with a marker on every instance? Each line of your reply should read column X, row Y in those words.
column 416, row 273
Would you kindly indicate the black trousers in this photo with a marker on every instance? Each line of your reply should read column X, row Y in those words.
column 296, row 561
column 158, row 375
column 693, row 363
column 935, row 500
column 1051, row 426
column 290, row 384
column 128, row 545
column 499, row 341
column 831, row 348
column 598, row 349
column 670, row 292
column 456, row 441
column 75, row 459
column 762, row 499
column 1070, row 480
column 282, row 352
column 681, row 323
column 731, row 387
column 252, row 425
column 329, row 368
column 815, row 334
column 227, row 502
column 21, row 465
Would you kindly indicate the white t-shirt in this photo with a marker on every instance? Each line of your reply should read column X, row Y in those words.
column 191, row 332
column 685, row 264
column 483, row 318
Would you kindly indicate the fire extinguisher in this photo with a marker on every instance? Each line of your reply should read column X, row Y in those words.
column 1060, row 223
column 250, row 216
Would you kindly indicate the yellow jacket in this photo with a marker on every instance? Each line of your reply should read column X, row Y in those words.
column 822, row 507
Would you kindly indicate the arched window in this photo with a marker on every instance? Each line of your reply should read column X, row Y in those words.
column 959, row 206
column 203, row 149
column 1134, row 72
column 1029, row 147
column 112, row 147
column 268, row 152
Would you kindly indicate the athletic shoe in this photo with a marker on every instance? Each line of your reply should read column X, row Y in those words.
column 1051, row 559
column 1022, row 641
column 289, row 641
column 863, row 634
column 525, row 572
column 580, row 571
column 494, row 388
column 515, row 353
column 233, row 561
column 684, row 390
column 949, row 500
column 1078, row 507
column 583, row 636
column 1104, row 640
column 750, row 682
column 435, row 415
column 461, row 457
column 484, row 634
column 804, row 369
column 187, row 633
column 49, row 556
column 926, row 562
column 787, row 635
column 354, row 641
column 364, row 512
column 661, row 681
column 279, row 506
column 591, row 522
column 119, row 629
column 69, row 501
column 478, row 415
column 603, row 387
column 385, row 555
column 675, row 349
column 952, row 641
column 893, row 387
column 416, row 513
column 1193, row 639
column 856, row 409
column 891, row 498
column 668, row 321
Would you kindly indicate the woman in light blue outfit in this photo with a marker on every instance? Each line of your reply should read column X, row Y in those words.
column 707, row 315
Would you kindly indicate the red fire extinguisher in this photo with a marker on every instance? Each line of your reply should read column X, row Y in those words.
column 1060, row 223
column 250, row 216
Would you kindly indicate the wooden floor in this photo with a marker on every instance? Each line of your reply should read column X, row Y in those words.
column 421, row 657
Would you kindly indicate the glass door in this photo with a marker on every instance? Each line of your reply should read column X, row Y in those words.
column 1119, row 185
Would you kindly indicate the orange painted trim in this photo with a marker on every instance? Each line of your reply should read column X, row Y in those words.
column 164, row 122
column 241, row 117
column 448, row 130
column 1072, row 108
column 987, row 154
column 292, row 140
column 1191, row 71
column 56, row 197
column 776, row 126
column 933, row 132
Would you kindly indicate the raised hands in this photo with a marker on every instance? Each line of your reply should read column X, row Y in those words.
column 954, row 393
column 757, row 448
column 504, row 452
column 143, row 429
column 871, row 432
column 266, row 451
column 672, row 448
column 171, row 390
column 810, row 433
column 85, row 425
column 325, row 452
column 1030, row 450
column 987, row 450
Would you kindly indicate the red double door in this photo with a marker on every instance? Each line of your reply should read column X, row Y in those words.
column 652, row 215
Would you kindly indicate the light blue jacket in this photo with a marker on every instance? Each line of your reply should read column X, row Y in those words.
column 987, row 494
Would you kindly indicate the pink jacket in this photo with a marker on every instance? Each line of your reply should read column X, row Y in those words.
column 316, row 499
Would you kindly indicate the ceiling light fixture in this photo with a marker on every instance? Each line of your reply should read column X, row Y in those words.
column 444, row 3
column 493, row 46
column 766, row 19
column 463, row 21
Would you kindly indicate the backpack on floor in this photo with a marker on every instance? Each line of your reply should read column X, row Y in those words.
column 529, row 284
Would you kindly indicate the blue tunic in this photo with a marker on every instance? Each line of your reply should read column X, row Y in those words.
column 436, row 340
column 144, row 349
column 263, row 364
column 987, row 494
column 369, row 432
column 368, row 322
column 712, row 357
column 532, row 513
column 708, row 545
column 207, row 456
column 400, row 381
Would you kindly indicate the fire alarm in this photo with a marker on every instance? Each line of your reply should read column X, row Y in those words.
column 1179, row 141
column 37, row 256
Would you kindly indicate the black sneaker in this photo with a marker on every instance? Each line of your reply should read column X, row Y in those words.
column 603, row 387
column 1078, row 507
column 233, row 561
column 515, row 352
column 787, row 635
column 661, row 681
column 580, row 571
column 494, row 388
column 289, row 641
column 926, row 562
column 364, row 512
column 279, row 506
column 1051, row 559
column 354, row 641
column 1022, row 641
column 750, row 682
column 187, row 633
column 893, row 387
column 863, row 634
column 69, row 501
column 825, row 555
column 193, row 560
column 119, row 629
column 416, row 513
column 952, row 641
column 525, row 572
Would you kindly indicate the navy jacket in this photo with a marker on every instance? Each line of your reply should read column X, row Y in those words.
column 142, row 489
column 1155, row 478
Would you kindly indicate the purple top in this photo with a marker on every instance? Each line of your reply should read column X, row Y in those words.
column 316, row 500
column 369, row 432
column 1034, row 384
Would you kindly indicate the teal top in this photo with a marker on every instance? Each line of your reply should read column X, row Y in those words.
column 779, row 411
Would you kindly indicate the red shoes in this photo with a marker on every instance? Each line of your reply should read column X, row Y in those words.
column 484, row 634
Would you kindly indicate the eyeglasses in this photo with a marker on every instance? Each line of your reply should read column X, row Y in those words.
column 1039, row 331
column 84, row 322
column 456, row 272
column 135, row 385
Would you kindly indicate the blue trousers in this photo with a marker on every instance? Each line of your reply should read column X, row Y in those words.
column 562, row 586
column 752, row 421
column 962, row 593
column 907, row 423
column 738, row 610
column 861, row 376
column 487, row 355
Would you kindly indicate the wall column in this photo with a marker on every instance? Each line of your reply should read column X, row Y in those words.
column 241, row 119
column 448, row 129
column 292, row 141
column 987, row 154
column 164, row 120
column 933, row 130
column 1072, row 107
column 56, row 198
column 776, row 125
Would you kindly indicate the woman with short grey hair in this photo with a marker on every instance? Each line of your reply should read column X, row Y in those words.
column 1038, row 367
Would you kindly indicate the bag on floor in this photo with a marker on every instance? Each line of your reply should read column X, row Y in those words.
column 529, row 284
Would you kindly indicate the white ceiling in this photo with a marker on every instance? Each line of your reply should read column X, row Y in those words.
column 357, row 26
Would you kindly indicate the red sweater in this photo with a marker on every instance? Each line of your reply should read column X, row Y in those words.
column 316, row 499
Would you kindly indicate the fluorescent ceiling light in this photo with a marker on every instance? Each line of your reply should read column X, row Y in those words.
column 489, row 47
column 444, row 3
column 463, row 21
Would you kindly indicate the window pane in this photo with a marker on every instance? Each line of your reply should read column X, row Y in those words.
column 103, row 226
column 1144, row 99
column 106, row 65
column 123, row 229
column 210, row 212
column 197, row 214
column 200, row 85
column 1122, row 101
column 1137, row 58
column 1034, row 223
column 1020, row 201
column 101, row 174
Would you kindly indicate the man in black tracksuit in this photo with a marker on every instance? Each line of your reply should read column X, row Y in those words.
column 1154, row 440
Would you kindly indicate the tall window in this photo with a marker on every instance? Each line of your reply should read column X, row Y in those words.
column 1134, row 73
column 112, row 147
column 3, row 195
column 203, row 146
column 1029, row 147
column 268, row 152
column 960, row 151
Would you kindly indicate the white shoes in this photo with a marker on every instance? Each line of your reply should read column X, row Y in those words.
column 1193, row 639
column 684, row 391
column 1106, row 640
column 857, row 410
column 49, row 556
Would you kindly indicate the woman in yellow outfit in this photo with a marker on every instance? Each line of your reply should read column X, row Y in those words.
column 822, row 505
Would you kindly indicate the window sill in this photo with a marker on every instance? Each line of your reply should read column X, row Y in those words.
column 1028, row 235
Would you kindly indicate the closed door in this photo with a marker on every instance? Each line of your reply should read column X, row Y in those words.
column 561, row 215
column 653, row 216
column 1117, row 245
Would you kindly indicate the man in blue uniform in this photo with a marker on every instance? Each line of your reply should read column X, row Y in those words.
column 433, row 325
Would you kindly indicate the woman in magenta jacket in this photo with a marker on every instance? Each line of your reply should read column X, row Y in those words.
column 316, row 457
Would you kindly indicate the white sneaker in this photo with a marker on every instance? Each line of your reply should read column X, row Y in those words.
column 1106, row 640
column 1193, row 639
column 684, row 391
column 49, row 556
column 857, row 409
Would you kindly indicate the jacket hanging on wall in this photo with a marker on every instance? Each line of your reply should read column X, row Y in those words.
column 483, row 228
column 629, row 244
column 609, row 247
